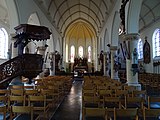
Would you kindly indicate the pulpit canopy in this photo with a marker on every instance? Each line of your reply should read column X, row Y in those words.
column 33, row 32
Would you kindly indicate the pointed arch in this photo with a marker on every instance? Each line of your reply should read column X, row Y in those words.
column 115, row 29
column 133, row 14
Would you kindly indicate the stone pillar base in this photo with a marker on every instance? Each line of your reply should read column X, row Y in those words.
column 51, row 73
column 137, row 85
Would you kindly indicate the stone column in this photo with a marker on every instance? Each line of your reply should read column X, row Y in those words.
column 52, row 63
column 114, row 71
column 41, row 50
column 132, row 62
column 14, row 50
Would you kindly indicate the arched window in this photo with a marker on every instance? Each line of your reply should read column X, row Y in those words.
column 89, row 53
column 140, row 49
column 80, row 51
column 72, row 53
column 3, row 43
column 156, row 43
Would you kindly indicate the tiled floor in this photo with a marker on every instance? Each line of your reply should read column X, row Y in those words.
column 71, row 105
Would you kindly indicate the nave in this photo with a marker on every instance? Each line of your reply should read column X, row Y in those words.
column 70, row 108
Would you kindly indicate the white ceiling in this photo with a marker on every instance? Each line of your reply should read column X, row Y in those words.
column 65, row 12
column 150, row 13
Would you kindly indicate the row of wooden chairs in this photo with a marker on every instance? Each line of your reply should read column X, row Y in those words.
column 37, row 99
column 109, row 94
column 118, row 102
column 150, row 82
column 120, row 114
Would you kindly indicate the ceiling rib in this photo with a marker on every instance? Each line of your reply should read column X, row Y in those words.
column 105, row 5
column 89, row 9
column 144, row 23
column 98, row 11
column 75, row 6
column 150, row 11
column 75, row 13
column 97, row 7
column 58, row 8
column 50, row 5
column 71, row 30
column 69, row 9
column 82, row 20
column 90, row 0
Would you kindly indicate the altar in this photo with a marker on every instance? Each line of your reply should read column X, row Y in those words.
column 80, row 67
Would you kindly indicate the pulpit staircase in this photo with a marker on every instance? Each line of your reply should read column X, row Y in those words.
column 27, row 65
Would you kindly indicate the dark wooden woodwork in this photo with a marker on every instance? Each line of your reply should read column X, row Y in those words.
column 27, row 65
column 26, row 33
column 33, row 32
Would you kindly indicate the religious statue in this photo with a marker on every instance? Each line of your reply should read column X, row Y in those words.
column 135, row 56
column 135, row 61
column 102, row 61
column 146, row 52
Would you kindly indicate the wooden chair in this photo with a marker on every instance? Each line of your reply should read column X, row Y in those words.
column 89, row 92
column 153, row 114
column 31, row 92
column 39, row 104
column 104, row 93
column 17, row 92
column 134, row 102
column 126, row 114
column 91, row 101
column 50, row 97
column 94, row 114
column 23, row 113
column 153, row 102
column 4, row 92
column 3, row 100
column 16, row 87
column 139, row 93
column 112, row 102
column 121, row 93
column 3, row 113
column 16, row 100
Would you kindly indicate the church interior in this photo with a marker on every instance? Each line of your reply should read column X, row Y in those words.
column 79, row 60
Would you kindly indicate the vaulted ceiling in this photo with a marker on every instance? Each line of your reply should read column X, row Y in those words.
column 149, row 13
column 64, row 12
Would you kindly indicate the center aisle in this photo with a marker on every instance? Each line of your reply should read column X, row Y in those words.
column 71, row 105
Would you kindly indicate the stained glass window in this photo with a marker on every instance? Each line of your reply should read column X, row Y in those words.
column 72, row 53
column 140, row 49
column 89, row 53
column 80, row 51
column 156, row 43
